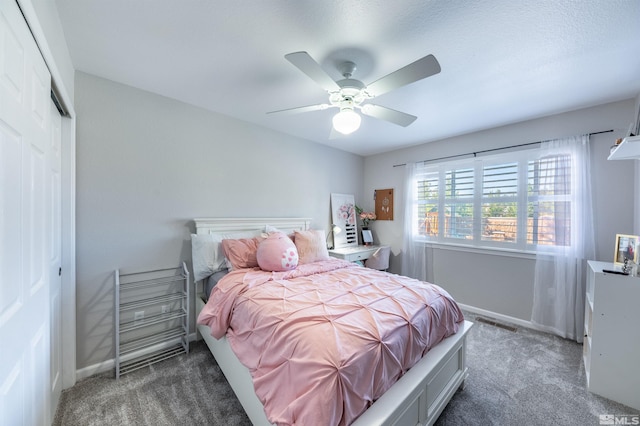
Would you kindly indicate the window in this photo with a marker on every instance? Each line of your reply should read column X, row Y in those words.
column 499, row 202
column 516, row 200
column 458, row 202
column 549, row 201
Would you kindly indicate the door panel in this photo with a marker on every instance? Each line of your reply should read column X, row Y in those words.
column 10, row 254
column 34, row 249
column 25, row 197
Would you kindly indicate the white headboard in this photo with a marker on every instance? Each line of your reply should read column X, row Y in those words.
column 227, row 224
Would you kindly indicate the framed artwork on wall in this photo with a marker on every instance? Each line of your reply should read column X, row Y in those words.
column 343, row 215
column 626, row 248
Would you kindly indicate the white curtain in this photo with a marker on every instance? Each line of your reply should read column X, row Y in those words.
column 560, row 270
column 414, row 261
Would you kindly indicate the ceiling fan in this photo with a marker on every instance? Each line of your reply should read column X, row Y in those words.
column 350, row 94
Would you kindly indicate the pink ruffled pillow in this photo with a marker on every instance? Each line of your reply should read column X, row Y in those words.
column 241, row 253
column 277, row 253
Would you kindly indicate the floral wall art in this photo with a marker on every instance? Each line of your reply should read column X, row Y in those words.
column 343, row 214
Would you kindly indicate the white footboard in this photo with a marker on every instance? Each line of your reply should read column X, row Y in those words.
column 417, row 398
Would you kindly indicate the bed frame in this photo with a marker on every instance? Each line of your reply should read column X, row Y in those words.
column 417, row 398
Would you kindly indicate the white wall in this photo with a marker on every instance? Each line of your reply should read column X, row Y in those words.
column 499, row 283
column 147, row 165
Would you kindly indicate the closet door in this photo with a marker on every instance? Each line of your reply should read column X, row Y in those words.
column 55, row 254
column 25, row 197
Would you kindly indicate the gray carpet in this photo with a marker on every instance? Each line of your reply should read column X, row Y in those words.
column 515, row 378
column 171, row 392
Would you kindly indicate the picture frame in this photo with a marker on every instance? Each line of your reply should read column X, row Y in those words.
column 343, row 215
column 367, row 237
column 626, row 247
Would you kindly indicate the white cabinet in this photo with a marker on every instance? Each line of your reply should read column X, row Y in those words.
column 612, row 335
column 151, row 317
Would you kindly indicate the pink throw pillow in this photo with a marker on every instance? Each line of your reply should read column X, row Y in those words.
column 241, row 253
column 277, row 253
column 312, row 246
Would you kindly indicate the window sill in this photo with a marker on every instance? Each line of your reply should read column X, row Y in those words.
column 493, row 251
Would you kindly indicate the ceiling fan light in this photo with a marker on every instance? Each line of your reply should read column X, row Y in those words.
column 346, row 121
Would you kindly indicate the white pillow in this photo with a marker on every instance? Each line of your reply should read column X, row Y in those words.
column 207, row 254
column 312, row 246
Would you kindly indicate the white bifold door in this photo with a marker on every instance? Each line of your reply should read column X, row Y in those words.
column 30, row 376
column 54, row 252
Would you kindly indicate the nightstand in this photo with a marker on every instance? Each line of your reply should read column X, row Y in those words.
column 354, row 253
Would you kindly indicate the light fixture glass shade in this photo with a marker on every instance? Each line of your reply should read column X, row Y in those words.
column 346, row 121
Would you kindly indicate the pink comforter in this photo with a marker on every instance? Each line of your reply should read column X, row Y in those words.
column 322, row 342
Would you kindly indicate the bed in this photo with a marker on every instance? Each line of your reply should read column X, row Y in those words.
column 416, row 398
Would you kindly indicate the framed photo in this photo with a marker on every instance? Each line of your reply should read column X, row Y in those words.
column 367, row 237
column 626, row 248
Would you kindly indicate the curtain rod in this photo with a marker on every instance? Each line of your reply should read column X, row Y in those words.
column 491, row 150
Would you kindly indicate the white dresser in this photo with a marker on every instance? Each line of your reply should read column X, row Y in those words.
column 612, row 335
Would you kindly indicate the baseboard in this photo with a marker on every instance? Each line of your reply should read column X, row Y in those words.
column 94, row 369
column 503, row 318
column 103, row 367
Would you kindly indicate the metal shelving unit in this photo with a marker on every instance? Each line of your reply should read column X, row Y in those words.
column 151, row 317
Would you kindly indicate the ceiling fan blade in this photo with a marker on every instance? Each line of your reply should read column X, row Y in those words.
column 422, row 68
column 310, row 67
column 388, row 114
column 298, row 110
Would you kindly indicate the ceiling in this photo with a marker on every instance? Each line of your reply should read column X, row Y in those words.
column 503, row 61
